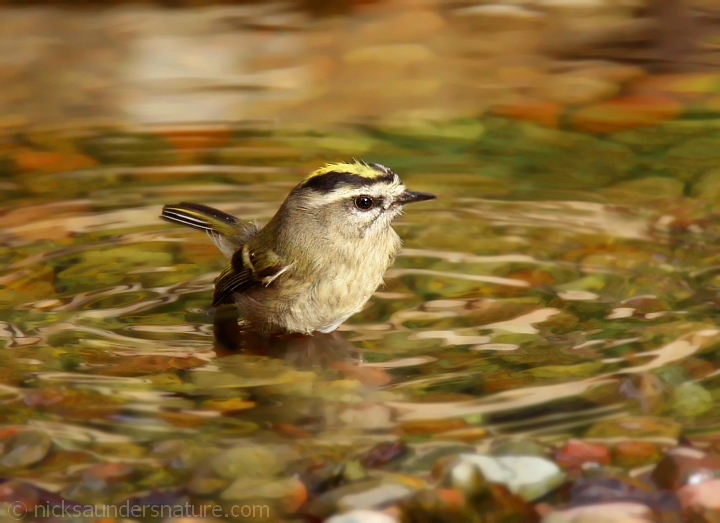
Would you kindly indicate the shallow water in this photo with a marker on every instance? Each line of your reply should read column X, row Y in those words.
column 550, row 288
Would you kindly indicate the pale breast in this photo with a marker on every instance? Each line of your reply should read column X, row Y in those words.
column 342, row 289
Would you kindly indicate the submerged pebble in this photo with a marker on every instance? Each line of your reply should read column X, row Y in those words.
column 362, row 516
column 285, row 495
column 374, row 497
column 249, row 460
column 603, row 513
column 702, row 494
column 575, row 453
column 530, row 477
column 25, row 448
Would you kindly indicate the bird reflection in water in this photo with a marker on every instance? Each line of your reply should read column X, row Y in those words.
column 327, row 351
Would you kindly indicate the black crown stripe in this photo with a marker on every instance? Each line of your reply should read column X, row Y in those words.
column 327, row 182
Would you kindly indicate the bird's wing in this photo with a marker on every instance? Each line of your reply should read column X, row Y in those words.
column 226, row 231
column 230, row 281
column 239, row 276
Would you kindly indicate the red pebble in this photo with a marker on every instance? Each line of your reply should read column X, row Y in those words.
column 576, row 452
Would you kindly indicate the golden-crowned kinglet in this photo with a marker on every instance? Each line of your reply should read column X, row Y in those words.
column 319, row 259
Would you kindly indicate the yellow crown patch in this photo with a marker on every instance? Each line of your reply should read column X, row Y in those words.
column 356, row 167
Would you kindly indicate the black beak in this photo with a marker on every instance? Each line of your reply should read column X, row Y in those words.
column 413, row 196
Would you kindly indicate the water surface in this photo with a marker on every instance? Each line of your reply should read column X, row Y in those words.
column 558, row 278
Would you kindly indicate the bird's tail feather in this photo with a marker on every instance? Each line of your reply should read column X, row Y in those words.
column 225, row 230
column 200, row 217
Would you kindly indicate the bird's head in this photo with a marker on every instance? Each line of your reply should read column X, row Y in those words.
column 355, row 199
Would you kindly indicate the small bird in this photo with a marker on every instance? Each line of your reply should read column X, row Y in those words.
column 319, row 259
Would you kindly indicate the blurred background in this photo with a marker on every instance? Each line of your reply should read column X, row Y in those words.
column 386, row 61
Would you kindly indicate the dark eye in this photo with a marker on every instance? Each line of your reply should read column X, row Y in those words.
column 364, row 203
